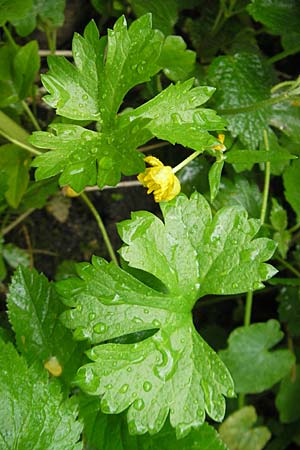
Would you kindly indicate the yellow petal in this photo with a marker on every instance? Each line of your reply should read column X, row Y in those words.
column 53, row 366
column 152, row 161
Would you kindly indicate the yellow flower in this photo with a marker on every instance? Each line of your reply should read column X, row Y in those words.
column 53, row 366
column 160, row 180
column 69, row 192
column 220, row 147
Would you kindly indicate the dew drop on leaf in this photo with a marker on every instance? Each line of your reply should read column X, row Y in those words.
column 147, row 386
column 124, row 388
column 138, row 404
column 156, row 323
column 92, row 316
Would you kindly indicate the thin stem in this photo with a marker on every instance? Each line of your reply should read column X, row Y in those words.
column 51, row 39
column 16, row 222
column 294, row 228
column 266, row 183
column 288, row 266
column 122, row 184
column 101, row 227
column 10, row 127
column 67, row 53
column 283, row 54
column 146, row 148
column 30, row 115
column 255, row 106
column 248, row 308
column 186, row 161
column 10, row 38
column 20, row 144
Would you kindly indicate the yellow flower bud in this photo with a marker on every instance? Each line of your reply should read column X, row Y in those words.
column 69, row 192
column 220, row 147
column 53, row 366
column 160, row 180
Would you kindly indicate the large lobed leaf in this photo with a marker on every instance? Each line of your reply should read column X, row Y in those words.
column 32, row 411
column 173, row 370
column 33, row 310
column 94, row 88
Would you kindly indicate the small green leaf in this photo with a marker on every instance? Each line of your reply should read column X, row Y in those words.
column 26, row 64
column 10, row 11
column 289, row 309
column 286, row 117
column 214, row 177
column 44, row 13
column 14, row 162
column 33, row 413
column 177, row 62
column 228, row 75
column 15, row 256
column 283, row 239
column 288, row 397
column 173, row 369
column 164, row 14
column 278, row 216
column 38, row 193
column 291, row 190
column 253, row 367
column 238, row 432
column 33, row 310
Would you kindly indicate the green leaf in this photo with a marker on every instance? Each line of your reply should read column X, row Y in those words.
column 283, row 239
column 288, row 397
column 93, row 89
column 286, row 117
column 176, row 116
column 239, row 191
column 38, row 193
column 214, row 178
column 228, row 75
column 291, row 191
column 15, row 256
column 280, row 17
column 33, row 310
column 45, row 13
column 238, row 432
column 253, row 367
column 260, row 156
column 289, row 309
column 278, row 216
column 173, row 370
column 10, row 11
column 26, row 64
column 164, row 14
column 14, row 162
column 106, row 432
column 85, row 157
column 32, row 413
column 178, row 63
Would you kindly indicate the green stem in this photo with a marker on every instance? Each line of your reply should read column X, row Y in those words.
column 51, row 39
column 10, row 38
column 20, row 144
column 16, row 222
column 30, row 115
column 266, row 183
column 255, row 106
column 294, row 228
column 101, row 227
column 283, row 54
column 248, row 308
column 288, row 266
column 186, row 161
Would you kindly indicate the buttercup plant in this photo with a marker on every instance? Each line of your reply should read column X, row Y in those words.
column 144, row 351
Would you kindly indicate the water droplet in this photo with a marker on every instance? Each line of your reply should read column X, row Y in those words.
column 166, row 368
column 108, row 386
column 80, row 105
column 146, row 311
column 124, row 388
column 182, row 340
column 79, row 307
column 100, row 328
column 230, row 393
column 137, row 320
column 132, row 428
column 92, row 316
column 115, row 364
column 234, row 285
column 156, row 323
column 129, row 369
column 85, row 97
column 147, row 386
column 257, row 285
column 138, row 404
column 134, row 395
column 93, row 151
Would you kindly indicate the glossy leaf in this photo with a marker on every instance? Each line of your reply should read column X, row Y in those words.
column 291, row 191
column 173, row 370
column 260, row 156
column 214, row 177
column 178, row 63
column 22, row 404
column 106, row 432
column 93, row 89
column 14, row 162
column 288, row 397
column 44, row 13
column 33, row 310
column 278, row 216
column 10, row 11
column 253, row 366
column 228, row 74
column 285, row 116
column 164, row 14
column 238, row 433
column 14, row 256
column 85, row 157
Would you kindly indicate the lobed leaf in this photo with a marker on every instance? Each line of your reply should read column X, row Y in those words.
column 172, row 370
column 25, row 393
column 253, row 367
